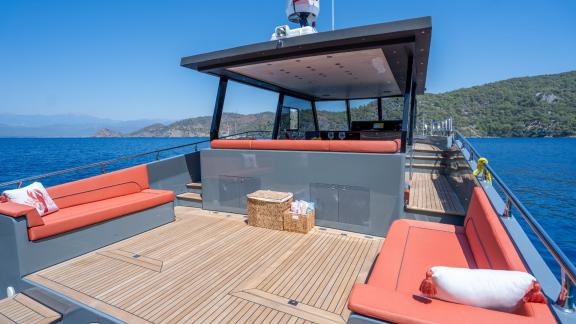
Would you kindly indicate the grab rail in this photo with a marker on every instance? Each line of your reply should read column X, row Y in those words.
column 566, row 299
column 103, row 164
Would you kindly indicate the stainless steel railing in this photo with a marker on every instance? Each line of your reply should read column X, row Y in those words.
column 566, row 298
column 103, row 164
column 434, row 127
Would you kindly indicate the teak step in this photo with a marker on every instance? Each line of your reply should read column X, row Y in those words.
column 23, row 309
column 190, row 196
column 194, row 185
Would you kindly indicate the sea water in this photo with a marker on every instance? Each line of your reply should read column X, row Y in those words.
column 540, row 171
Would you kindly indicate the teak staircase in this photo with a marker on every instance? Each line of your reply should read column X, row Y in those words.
column 193, row 196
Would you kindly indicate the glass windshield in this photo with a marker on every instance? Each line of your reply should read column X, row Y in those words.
column 247, row 108
column 392, row 108
column 296, row 118
column 332, row 115
column 364, row 110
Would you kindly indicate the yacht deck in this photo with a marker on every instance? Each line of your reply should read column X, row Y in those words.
column 212, row 267
column 431, row 192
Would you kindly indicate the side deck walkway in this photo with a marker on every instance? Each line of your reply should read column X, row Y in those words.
column 431, row 192
column 212, row 267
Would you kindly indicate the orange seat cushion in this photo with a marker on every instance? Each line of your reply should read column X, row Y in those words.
column 413, row 247
column 109, row 185
column 231, row 144
column 79, row 216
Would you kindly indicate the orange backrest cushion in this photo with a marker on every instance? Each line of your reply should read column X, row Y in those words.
column 364, row 146
column 291, row 145
column 231, row 144
column 102, row 187
column 488, row 239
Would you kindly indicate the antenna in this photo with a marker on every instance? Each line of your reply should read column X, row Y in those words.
column 333, row 15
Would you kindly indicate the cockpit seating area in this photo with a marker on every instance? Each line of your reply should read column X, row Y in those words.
column 352, row 146
column 412, row 247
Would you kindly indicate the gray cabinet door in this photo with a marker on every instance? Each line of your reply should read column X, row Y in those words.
column 354, row 205
column 325, row 199
column 246, row 186
column 228, row 191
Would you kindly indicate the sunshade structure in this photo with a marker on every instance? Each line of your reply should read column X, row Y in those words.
column 369, row 62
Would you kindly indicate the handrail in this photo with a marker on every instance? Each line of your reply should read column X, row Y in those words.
column 568, row 269
column 103, row 164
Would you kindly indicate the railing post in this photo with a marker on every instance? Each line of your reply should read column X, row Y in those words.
column 471, row 157
column 103, row 168
column 507, row 209
column 157, row 156
column 565, row 300
column 19, row 184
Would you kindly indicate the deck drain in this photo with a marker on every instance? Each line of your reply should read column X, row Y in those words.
column 368, row 236
column 293, row 302
column 343, row 234
column 322, row 228
column 136, row 256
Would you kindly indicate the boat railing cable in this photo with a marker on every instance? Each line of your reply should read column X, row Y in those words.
column 103, row 164
column 565, row 300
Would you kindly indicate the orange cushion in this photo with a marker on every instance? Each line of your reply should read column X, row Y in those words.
column 15, row 210
column 310, row 145
column 411, row 308
column 291, row 145
column 79, row 216
column 231, row 144
column 114, row 184
column 490, row 243
column 412, row 247
column 364, row 146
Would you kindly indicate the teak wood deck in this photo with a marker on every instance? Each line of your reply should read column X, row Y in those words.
column 431, row 192
column 212, row 267
column 23, row 309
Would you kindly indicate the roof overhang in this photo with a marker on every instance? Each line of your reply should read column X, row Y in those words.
column 361, row 62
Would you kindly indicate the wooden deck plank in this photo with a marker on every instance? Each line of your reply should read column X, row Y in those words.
column 215, row 268
column 23, row 309
column 431, row 192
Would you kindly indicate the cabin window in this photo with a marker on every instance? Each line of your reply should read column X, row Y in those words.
column 296, row 118
column 364, row 110
column 248, row 109
column 332, row 115
column 392, row 108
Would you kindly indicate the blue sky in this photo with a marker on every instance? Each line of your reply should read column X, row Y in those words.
column 120, row 58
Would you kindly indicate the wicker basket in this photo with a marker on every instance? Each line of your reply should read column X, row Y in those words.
column 266, row 208
column 299, row 223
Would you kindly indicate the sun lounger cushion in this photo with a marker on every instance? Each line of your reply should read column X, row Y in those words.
column 412, row 247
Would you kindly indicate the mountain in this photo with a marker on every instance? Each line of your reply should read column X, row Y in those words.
column 64, row 125
column 521, row 107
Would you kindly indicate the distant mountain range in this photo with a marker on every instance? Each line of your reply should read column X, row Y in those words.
column 523, row 107
column 65, row 125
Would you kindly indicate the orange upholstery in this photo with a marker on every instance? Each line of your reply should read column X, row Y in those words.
column 110, row 185
column 232, row 144
column 310, row 145
column 291, row 145
column 412, row 247
column 487, row 237
column 79, row 216
column 15, row 210
column 364, row 146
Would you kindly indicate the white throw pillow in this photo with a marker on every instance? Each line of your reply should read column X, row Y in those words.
column 495, row 289
column 34, row 195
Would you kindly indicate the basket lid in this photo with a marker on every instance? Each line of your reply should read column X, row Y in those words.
column 271, row 196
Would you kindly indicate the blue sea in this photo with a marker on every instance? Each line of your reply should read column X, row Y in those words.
column 541, row 171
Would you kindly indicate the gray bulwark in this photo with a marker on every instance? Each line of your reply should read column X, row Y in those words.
column 356, row 192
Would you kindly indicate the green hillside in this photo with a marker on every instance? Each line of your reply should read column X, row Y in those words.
column 521, row 107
